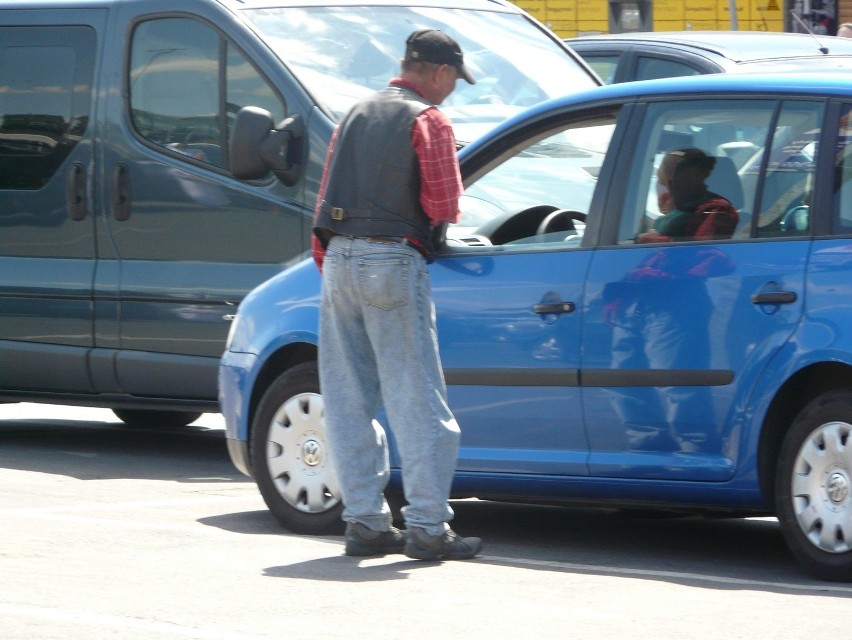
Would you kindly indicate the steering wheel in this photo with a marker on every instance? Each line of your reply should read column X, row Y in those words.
column 560, row 220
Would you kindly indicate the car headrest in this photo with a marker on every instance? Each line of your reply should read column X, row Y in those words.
column 725, row 181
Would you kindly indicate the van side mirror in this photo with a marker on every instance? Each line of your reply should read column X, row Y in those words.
column 258, row 146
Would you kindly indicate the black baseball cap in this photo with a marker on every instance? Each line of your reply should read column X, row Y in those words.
column 431, row 45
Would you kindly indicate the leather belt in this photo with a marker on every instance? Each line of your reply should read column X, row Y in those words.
column 388, row 240
column 403, row 241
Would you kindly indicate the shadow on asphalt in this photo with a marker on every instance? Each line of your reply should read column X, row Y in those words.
column 106, row 450
column 713, row 553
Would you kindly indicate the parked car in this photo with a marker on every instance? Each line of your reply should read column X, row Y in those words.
column 586, row 366
column 126, row 241
column 663, row 54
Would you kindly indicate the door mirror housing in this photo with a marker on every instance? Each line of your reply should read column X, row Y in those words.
column 258, row 146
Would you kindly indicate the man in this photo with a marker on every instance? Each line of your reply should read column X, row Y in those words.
column 691, row 211
column 845, row 30
column 391, row 176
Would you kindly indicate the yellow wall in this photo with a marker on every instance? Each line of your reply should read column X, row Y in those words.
column 569, row 18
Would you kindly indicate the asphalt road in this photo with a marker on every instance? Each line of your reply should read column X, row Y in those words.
column 120, row 533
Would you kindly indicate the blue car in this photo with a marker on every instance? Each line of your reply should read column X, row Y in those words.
column 592, row 358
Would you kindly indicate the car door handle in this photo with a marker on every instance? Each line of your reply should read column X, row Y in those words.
column 774, row 297
column 544, row 308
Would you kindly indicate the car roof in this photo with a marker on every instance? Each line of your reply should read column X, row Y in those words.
column 736, row 46
column 835, row 83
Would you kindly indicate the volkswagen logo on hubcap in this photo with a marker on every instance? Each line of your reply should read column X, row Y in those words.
column 837, row 487
column 312, row 453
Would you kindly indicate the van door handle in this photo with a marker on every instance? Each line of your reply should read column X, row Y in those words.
column 121, row 193
column 544, row 308
column 75, row 191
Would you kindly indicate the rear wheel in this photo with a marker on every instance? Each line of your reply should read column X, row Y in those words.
column 290, row 456
column 154, row 418
column 814, row 487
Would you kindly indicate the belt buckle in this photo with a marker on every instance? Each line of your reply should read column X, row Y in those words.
column 337, row 213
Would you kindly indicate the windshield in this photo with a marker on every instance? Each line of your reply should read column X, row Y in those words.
column 342, row 54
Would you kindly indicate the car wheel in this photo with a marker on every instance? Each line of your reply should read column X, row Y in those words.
column 154, row 418
column 814, row 486
column 290, row 456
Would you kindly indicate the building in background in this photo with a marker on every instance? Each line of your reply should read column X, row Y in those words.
column 569, row 18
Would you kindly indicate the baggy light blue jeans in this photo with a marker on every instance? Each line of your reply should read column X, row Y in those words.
column 378, row 348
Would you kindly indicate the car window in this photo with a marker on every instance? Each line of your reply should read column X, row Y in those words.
column 789, row 168
column 604, row 64
column 538, row 193
column 652, row 67
column 723, row 137
column 843, row 176
column 177, row 101
column 748, row 160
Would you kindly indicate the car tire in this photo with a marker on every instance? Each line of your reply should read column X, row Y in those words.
column 290, row 454
column 154, row 418
column 814, row 487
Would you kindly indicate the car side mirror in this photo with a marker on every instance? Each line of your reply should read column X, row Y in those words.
column 258, row 146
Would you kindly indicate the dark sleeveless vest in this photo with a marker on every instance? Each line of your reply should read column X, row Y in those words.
column 373, row 184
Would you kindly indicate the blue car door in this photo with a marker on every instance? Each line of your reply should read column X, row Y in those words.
column 509, row 298
column 676, row 329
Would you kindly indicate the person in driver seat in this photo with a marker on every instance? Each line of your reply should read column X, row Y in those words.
column 691, row 211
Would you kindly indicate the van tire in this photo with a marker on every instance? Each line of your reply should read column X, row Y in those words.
column 154, row 418
column 290, row 455
column 813, row 486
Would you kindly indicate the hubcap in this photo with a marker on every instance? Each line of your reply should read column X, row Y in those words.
column 297, row 455
column 821, row 487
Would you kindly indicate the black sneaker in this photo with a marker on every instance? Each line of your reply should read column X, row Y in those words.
column 363, row 541
column 449, row 546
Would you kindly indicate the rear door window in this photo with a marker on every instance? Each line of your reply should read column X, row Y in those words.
column 652, row 67
column 45, row 98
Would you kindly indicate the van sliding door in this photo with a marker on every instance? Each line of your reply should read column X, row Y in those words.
column 47, row 244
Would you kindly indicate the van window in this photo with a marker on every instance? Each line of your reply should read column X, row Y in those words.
column 186, row 85
column 45, row 98
column 344, row 53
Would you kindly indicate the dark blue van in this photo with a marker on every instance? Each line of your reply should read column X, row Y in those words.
column 126, row 241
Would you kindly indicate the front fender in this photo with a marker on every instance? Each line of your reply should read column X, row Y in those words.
column 282, row 311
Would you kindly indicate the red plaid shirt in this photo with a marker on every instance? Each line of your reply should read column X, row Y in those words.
column 440, row 181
